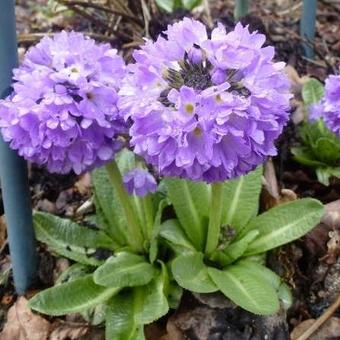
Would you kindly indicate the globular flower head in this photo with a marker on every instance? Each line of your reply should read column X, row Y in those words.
column 205, row 108
column 329, row 107
column 139, row 182
column 62, row 112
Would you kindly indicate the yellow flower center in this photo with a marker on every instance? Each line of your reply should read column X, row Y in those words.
column 189, row 108
column 198, row 132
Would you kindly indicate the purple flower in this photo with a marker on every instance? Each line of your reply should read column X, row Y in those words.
column 139, row 182
column 329, row 106
column 63, row 112
column 205, row 108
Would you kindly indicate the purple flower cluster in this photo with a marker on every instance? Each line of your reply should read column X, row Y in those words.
column 329, row 106
column 139, row 182
column 205, row 108
column 63, row 110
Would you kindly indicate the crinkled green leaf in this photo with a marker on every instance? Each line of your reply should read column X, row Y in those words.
column 324, row 174
column 69, row 239
column 131, row 309
column 110, row 215
column 304, row 156
column 75, row 296
column 262, row 272
column 120, row 321
column 154, row 303
column 191, row 273
column 124, row 270
column 153, row 251
column 283, row 224
column 172, row 231
column 247, row 291
column 191, row 4
column 191, row 201
column 235, row 250
column 73, row 272
column 241, row 199
column 167, row 5
column 312, row 91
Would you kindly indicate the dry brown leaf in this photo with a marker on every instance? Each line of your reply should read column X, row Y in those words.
column 173, row 333
column 69, row 331
column 3, row 233
column 329, row 330
column 272, row 195
column 22, row 324
column 83, row 185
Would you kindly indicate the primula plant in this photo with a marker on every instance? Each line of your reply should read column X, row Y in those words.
column 320, row 134
column 236, row 264
column 202, row 113
column 119, row 277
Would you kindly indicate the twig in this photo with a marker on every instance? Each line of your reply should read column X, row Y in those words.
column 306, row 41
column 323, row 318
column 101, row 8
column 96, row 21
column 207, row 9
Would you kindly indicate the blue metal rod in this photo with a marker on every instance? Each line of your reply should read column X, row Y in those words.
column 241, row 9
column 13, row 169
column 307, row 26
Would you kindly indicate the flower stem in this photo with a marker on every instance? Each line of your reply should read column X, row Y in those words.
column 215, row 217
column 241, row 9
column 134, row 230
column 149, row 214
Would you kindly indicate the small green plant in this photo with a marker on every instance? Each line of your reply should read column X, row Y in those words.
column 320, row 148
column 236, row 265
column 119, row 277
column 172, row 5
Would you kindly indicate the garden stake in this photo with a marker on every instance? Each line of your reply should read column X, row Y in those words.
column 307, row 26
column 241, row 9
column 13, row 170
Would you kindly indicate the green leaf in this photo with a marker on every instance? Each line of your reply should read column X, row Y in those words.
column 262, row 272
column 75, row 296
column 191, row 202
column 70, row 239
column 167, row 5
column 247, row 291
column 126, row 160
column 312, row 91
column 131, row 309
column 110, row 214
column 283, row 224
column 73, row 272
column 235, row 250
column 191, row 273
column 241, row 199
column 66, row 231
column 191, row 4
column 95, row 315
column 304, row 156
column 120, row 322
column 124, row 270
column 172, row 231
column 153, row 251
column 328, row 150
column 324, row 174
column 154, row 303
column 285, row 295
